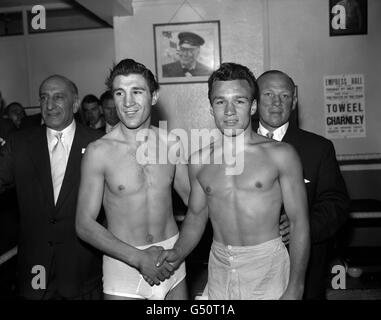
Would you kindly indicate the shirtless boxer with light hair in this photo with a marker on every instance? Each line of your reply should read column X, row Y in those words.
column 136, row 197
column 248, row 259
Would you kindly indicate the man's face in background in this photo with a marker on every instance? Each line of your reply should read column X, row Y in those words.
column 92, row 112
column 16, row 113
column 277, row 99
column 58, row 103
column 109, row 112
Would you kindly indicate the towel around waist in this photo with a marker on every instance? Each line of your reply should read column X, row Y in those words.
column 263, row 249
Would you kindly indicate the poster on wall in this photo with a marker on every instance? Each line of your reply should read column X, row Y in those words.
column 344, row 103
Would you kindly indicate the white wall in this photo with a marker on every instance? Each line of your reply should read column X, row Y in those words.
column 300, row 45
column 13, row 70
column 186, row 105
column 85, row 57
column 291, row 35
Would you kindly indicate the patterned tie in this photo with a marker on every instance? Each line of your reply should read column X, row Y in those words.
column 58, row 165
column 270, row 134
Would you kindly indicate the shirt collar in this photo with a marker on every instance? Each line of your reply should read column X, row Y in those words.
column 279, row 133
column 67, row 135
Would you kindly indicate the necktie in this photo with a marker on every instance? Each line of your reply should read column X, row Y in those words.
column 269, row 135
column 58, row 165
column 187, row 72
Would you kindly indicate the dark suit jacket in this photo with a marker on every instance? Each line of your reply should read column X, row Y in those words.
column 8, row 201
column 327, row 199
column 174, row 69
column 47, row 231
column 31, row 121
column 6, row 127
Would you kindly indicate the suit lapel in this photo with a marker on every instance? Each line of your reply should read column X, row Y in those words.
column 38, row 150
column 291, row 136
column 72, row 168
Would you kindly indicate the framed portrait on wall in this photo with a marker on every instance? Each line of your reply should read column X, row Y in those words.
column 186, row 52
column 348, row 17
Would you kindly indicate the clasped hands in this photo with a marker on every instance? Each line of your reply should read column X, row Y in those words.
column 157, row 264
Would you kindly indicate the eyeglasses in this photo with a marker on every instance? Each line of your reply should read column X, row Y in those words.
column 188, row 50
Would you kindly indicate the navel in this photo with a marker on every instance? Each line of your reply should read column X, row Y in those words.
column 258, row 185
column 121, row 187
column 208, row 189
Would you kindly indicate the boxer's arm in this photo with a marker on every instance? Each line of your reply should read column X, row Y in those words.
column 193, row 225
column 178, row 154
column 181, row 182
column 88, row 229
column 296, row 206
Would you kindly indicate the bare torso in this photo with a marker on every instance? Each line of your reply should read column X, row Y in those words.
column 244, row 209
column 137, row 197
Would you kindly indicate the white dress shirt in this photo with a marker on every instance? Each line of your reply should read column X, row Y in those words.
column 278, row 132
column 67, row 141
column 67, row 138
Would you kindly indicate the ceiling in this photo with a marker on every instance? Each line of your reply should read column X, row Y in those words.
column 18, row 3
column 104, row 9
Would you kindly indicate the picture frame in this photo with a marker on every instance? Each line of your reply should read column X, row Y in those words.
column 348, row 17
column 186, row 52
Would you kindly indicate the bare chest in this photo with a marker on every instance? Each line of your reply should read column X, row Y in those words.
column 125, row 175
column 258, row 177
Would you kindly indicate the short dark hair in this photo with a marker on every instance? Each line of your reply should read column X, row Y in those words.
column 14, row 103
column 233, row 71
column 107, row 95
column 130, row 66
column 278, row 72
column 90, row 98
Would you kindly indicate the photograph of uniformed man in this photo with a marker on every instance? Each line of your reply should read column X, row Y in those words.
column 188, row 52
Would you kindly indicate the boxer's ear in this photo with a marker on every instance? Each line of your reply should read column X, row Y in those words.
column 294, row 98
column 76, row 104
column 211, row 111
column 253, row 107
column 155, row 97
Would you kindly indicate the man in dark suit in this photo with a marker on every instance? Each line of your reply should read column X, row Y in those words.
column 327, row 195
column 6, row 127
column 189, row 51
column 43, row 162
column 33, row 120
column 8, row 210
